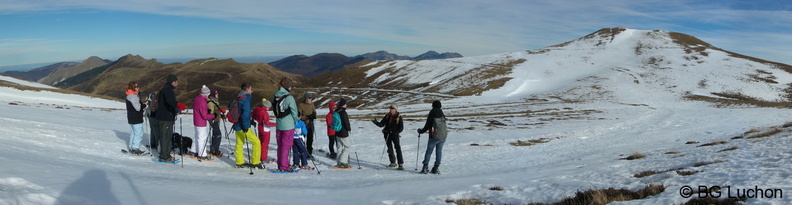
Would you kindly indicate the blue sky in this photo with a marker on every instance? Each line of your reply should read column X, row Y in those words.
column 37, row 31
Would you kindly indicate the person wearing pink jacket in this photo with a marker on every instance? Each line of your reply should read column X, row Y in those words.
column 262, row 118
column 200, row 117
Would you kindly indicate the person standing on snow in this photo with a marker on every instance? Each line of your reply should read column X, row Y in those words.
column 299, row 153
column 243, row 130
column 214, row 109
column 153, row 122
column 307, row 112
column 200, row 117
column 393, row 127
column 262, row 118
column 166, row 112
column 342, row 139
column 331, row 134
column 134, row 117
column 433, row 143
column 284, row 133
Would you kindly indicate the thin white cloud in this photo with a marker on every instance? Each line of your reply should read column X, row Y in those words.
column 468, row 27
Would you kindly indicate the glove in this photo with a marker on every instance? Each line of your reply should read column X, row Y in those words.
column 252, row 123
column 419, row 131
column 181, row 106
column 222, row 111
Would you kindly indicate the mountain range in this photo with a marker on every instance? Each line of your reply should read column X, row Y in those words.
column 667, row 63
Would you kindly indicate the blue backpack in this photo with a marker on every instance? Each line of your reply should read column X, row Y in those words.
column 337, row 125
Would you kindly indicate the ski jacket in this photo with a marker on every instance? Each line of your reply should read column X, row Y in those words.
column 262, row 118
column 244, row 107
column 329, row 119
column 300, row 130
column 201, row 111
column 344, row 132
column 307, row 112
column 134, row 108
column 166, row 105
column 214, row 108
column 393, row 124
column 436, row 112
column 288, row 122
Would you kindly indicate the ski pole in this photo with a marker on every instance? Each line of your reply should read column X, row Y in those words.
column 225, row 127
column 383, row 149
column 205, row 143
column 313, row 161
column 181, row 143
column 417, row 151
column 247, row 143
column 356, row 153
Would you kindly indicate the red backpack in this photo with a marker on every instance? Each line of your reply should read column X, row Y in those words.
column 234, row 111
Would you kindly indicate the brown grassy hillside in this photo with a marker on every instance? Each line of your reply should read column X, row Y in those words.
column 223, row 75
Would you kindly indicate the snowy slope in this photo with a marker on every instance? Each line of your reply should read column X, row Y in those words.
column 610, row 62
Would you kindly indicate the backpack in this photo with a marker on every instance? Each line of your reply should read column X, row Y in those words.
column 153, row 104
column 278, row 107
column 234, row 110
column 439, row 130
column 337, row 125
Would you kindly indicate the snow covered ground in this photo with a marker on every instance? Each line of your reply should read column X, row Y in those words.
column 71, row 155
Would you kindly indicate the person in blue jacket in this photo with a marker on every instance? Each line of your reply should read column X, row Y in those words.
column 243, row 131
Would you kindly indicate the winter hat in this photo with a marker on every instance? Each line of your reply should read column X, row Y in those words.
column 213, row 92
column 172, row 78
column 394, row 106
column 205, row 90
column 342, row 102
column 286, row 83
column 332, row 106
column 266, row 103
column 308, row 95
column 436, row 104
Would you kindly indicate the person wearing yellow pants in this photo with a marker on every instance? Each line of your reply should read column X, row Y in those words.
column 255, row 159
column 243, row 131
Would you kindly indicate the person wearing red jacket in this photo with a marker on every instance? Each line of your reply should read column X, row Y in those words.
column 262, row 118
column 330, row 132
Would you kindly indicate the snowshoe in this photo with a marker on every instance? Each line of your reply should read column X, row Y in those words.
column 400, row 167
column 392, row 165
column 435, row 170
column 424, row 170
column 257, row 166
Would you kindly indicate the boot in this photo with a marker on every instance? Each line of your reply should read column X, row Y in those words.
column 425, row 169
column 435, row 170
column 392, row 165
column 400, row 167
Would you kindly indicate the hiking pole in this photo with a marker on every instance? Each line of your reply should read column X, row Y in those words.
column 418, row 150
column 383, row 150
column 313, row 161
column 356, row 153
column 225, row 127
column 205, row 143
column 247, row 142
column 181, row 142
column 144, row 133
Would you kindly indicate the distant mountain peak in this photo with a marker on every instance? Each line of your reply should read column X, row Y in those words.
column 383, row 55
column 435, row 55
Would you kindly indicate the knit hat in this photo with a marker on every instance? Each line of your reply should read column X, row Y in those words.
column 342, row 102
column 172, row 78
column 394, row 106
column 266, row 103
column 436, row 104
column 286, row 83
column 205, row 90
column 308, row 95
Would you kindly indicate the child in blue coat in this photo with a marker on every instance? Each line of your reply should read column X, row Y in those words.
column 299, row 152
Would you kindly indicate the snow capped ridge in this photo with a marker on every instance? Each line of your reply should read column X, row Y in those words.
column 616, row 64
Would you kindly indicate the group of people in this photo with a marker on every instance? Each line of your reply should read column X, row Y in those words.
column 294, row 127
